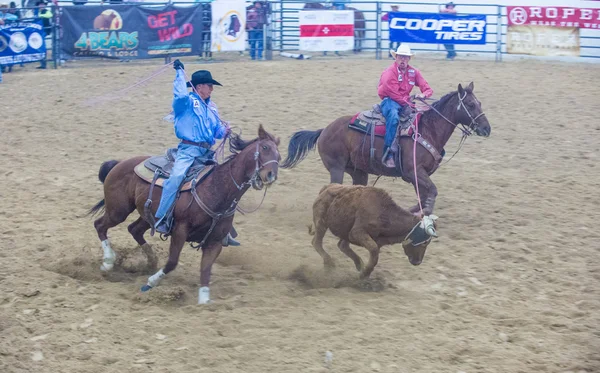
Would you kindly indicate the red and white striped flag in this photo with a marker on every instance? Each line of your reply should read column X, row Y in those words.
column 326, row 30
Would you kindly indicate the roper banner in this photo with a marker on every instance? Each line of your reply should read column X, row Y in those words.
column 22, row 42
column 326, row 30
column 437, row 28
column 228, row 29
column 553, row 16
column 129, row 32
column 543, row 40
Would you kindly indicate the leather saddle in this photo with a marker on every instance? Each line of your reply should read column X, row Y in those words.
column 201, row 167
column 375, row 116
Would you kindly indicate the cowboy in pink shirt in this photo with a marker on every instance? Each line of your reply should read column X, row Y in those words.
column 395, row 85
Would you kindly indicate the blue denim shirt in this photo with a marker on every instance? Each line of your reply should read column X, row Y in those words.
column 195, row 119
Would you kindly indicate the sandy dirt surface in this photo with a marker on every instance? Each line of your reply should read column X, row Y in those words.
column 511, row 285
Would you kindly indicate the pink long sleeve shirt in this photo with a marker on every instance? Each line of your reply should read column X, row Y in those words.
column 397, row 85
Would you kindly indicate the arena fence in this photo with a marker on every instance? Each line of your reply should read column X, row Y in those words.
column 282, row 32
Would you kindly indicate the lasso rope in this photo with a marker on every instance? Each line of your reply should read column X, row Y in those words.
column 120, row 93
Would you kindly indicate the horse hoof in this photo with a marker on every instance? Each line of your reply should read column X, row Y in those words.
column 145, row 288
column 105, row 267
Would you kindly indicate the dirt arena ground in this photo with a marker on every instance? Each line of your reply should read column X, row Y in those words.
column 511, row 285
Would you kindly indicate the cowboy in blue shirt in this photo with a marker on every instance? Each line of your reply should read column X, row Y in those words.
column 197, row 124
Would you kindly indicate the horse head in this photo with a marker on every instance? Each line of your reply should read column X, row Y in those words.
column 469, row 112
column 262, row 157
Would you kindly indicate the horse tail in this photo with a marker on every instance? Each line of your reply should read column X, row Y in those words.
column 300, row 143
column 102, row 174
column 105, row 169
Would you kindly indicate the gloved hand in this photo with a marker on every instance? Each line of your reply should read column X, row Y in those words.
column 177, row 65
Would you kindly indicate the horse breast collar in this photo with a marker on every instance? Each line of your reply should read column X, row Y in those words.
column 217, row 216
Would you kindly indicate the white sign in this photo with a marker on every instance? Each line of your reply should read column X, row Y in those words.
column 228, row 29
column 326, row 30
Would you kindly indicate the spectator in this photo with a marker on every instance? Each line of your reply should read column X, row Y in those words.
column 449, row 9
column 13, row 11
column 256, row 18
column 9, row 14
column 386, row 17
column 46, row 15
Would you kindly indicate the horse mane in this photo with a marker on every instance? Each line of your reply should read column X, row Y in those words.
column 439, row 104
column 237, row 144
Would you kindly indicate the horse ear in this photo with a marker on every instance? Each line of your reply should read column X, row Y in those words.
column 262, row 134
column 461, row 89
column 470, row 87
column 277, row 141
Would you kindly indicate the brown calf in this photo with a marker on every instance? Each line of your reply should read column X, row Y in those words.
column 367, row 217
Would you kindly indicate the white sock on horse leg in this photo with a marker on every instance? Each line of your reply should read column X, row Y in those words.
column 203, row 295
column 154, row 280
column 109, row 256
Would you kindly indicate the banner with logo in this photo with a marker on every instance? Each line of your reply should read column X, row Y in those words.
column 326, row 30
column 22, row 42
column 228, row 29
column 543, row 40
column 437, row 28
column 129, row 32
column 553, row 16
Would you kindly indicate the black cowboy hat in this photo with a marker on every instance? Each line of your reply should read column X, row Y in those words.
column 450, row 4
column 202, row 77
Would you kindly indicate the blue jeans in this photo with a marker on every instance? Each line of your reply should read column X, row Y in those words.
column 450, row 49
column 186, row 154
column 391, row 111
column 255, row 38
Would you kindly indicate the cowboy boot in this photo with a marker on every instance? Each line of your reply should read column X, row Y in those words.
column 387, row 157
column 229, row 241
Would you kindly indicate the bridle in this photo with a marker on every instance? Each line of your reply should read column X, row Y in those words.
column 467, row 130
column 255, row 178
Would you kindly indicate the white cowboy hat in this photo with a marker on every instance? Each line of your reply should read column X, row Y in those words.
column 403, row 50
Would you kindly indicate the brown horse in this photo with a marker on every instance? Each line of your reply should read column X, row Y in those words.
column 203, row 214
column 345, row 150
column 368, row 217
column 359, row 23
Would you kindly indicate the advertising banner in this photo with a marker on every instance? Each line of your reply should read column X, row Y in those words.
column 543, row 40
column 129, row 32
column 326, row 30
column 437, row 28
column 228, row 29
column 553, row 16
column 22, row 42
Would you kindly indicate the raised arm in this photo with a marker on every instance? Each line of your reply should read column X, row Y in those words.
column 181, row 98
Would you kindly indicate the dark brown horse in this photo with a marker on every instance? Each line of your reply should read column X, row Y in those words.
column 345, row 150
column 359, row 23
column 254, row 163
